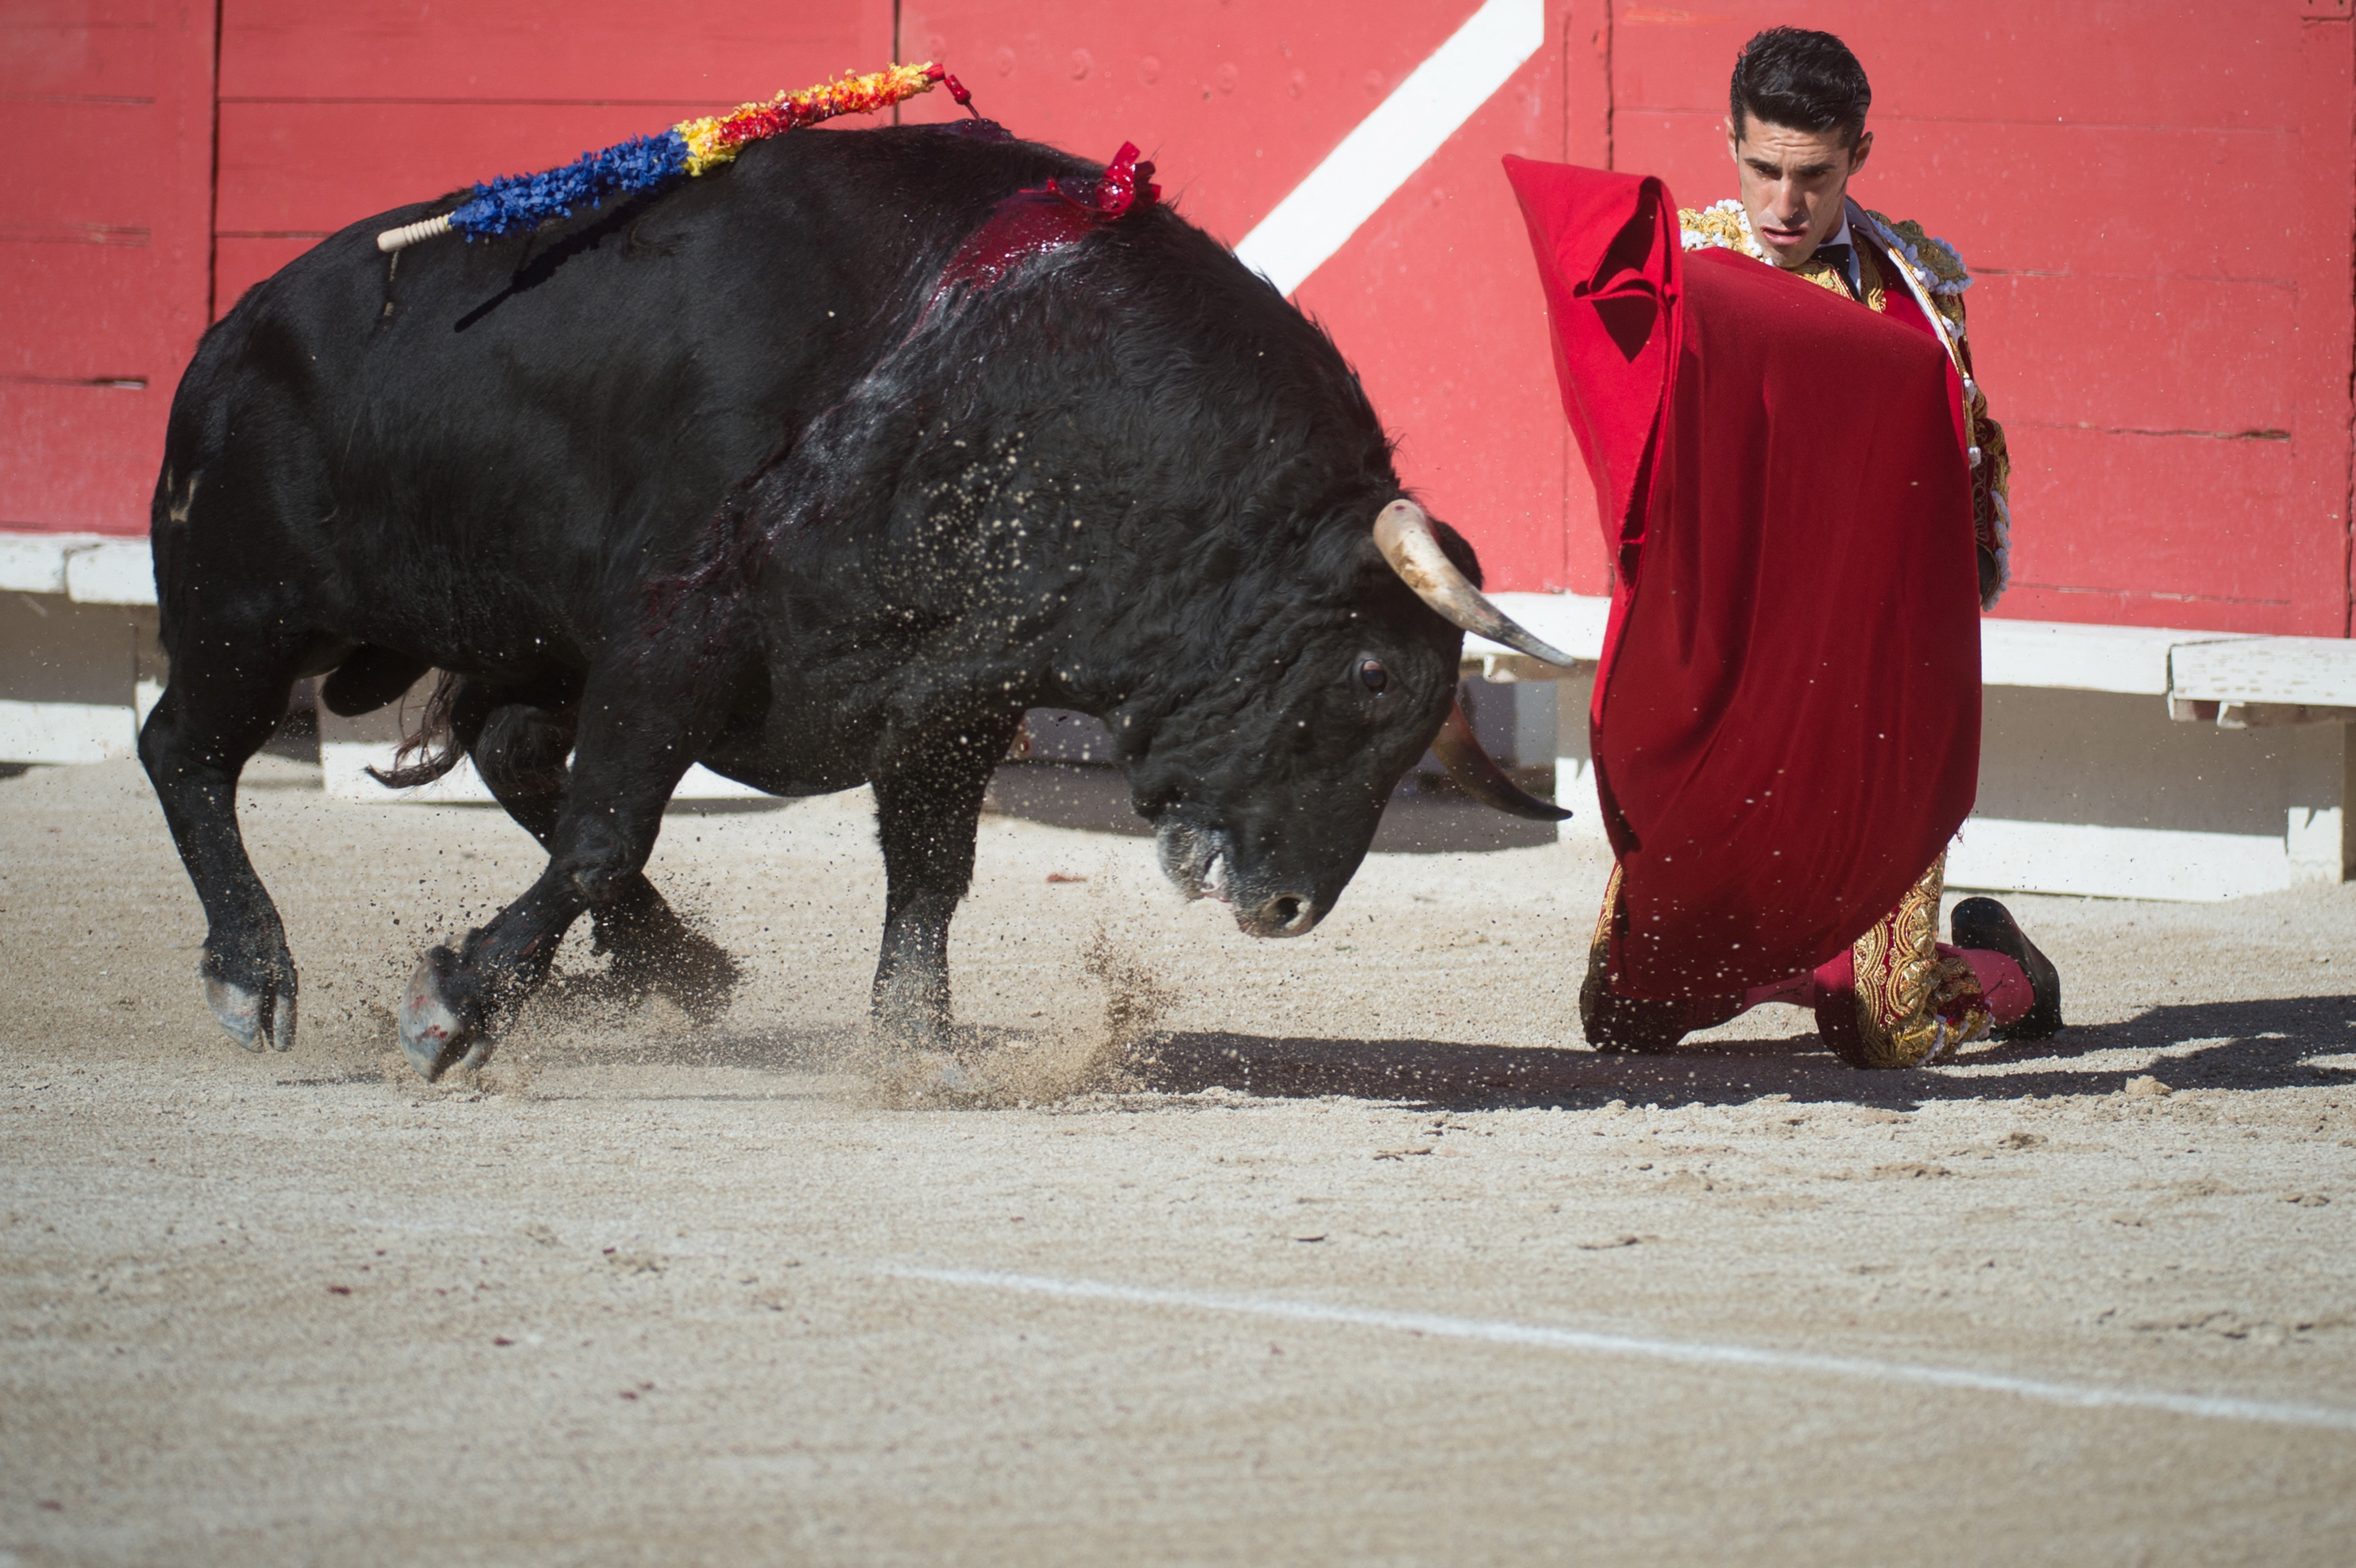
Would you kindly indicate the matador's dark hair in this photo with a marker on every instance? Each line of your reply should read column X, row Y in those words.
column 1788, row 76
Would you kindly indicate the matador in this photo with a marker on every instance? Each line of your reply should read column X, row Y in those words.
column 1806, row 505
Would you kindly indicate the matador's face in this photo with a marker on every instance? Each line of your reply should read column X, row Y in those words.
column 1794, row 184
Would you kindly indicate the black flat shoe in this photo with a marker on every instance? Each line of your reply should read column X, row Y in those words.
column 1989, row 926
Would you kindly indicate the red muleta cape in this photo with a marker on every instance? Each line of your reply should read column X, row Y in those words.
column 1786, row 723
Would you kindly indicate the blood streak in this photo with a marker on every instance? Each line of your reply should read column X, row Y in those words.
column 1038, row 222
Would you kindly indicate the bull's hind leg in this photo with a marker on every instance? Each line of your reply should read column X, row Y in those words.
column 226, row 692
column 520, row 755
column 652, row 950
column 635, row 740
column 928, row 806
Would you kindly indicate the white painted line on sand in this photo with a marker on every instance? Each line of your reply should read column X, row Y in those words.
column 1321, row 213
column 2084, row 1396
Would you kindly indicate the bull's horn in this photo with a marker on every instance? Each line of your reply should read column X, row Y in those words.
column 1477, row 773
column 1403, row 536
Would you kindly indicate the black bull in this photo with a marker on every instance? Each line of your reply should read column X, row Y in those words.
column 764, row 471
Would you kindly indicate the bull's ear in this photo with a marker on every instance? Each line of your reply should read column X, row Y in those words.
column 1477, row 773
column 1404, row 535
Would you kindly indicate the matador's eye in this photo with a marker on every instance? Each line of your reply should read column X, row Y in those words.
column 1373, row 676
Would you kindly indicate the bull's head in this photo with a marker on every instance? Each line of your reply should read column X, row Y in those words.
column 1266, row 791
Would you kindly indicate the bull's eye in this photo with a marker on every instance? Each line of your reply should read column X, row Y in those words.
column 1373, row 676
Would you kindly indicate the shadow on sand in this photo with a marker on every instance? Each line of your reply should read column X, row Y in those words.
column 2244, row 1045
column 2235, row 1045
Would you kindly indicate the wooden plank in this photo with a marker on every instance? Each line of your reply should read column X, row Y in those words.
column 86, row 568
column 67, row 732
column 2177, row 353
column 1434, row 299
column 2057, row 656
column 312, row 168
column 715, row 53
column 111, row 571
column 181, row 218
column 2317, row 671
column 2095, row 861
column 79, row 312
column 35, row 562
column 79, row 458
column 1435, row 303
column 1236, row 103
column 81, row 15
column 2048, row 655
column 1394, row 141
column 104, row 251
column 2153, row 515
column 62, row 61
column 2116, row 607
column 98, row 168
column 2323, row 352
column 2184, row 63
column 1587, row 34
column 240, row 263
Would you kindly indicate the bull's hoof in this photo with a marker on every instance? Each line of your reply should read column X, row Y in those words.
column 257, row 1016
column 938, row 1072
column 915, row 1079
column 913, row 1038
column 911, row 1031
column 433, row 1035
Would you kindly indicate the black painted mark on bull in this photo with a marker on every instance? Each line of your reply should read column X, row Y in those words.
column 1127, row 479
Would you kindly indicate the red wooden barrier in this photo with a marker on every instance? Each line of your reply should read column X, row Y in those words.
column 1434, row 299
column 106, row 249
column 331, row 112
column 2156, row 200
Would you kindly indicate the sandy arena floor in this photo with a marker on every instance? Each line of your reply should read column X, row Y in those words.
column 1342, row 1250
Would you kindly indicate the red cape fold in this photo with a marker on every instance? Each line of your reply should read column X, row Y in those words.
column 1786, row 723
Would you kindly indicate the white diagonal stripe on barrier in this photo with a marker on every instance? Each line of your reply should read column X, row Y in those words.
column 1374, row 160
column 2084, row 1396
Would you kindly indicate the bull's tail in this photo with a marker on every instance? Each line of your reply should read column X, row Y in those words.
column 436, row 739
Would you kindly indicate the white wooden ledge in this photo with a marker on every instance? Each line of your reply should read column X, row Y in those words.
column 2234, row 680
column 2159, row 661
column 87, row 568
column 2137, row 661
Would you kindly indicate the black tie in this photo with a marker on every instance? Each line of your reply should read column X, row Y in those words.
column 1838, row 255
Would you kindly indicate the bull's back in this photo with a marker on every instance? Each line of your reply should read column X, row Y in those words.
column 476, row 452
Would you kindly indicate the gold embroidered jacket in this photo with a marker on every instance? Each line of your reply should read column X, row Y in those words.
column 1901, row 254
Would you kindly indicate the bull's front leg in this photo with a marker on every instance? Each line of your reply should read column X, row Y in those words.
column 927, row 807
column 634, row 745
column 522, row 754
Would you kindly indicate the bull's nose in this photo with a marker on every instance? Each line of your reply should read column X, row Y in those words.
column 1286, row 915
